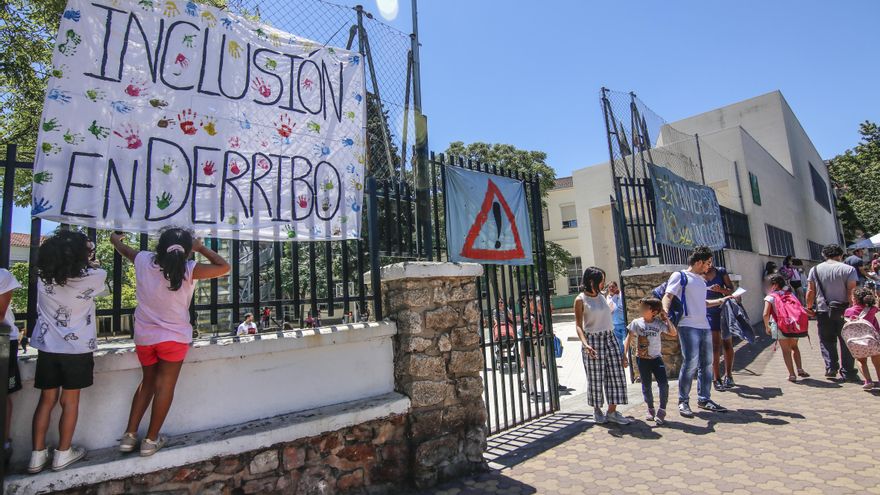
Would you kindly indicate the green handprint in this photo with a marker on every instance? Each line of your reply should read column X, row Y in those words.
column 234, row 49
column 350, row 115
column 260, row 33
column 94, row 94
column 163, row 201
column 232, row 220
column 331, row 51
column 42, row 177
column 328, row 186
column 146, row 4
column 50, row 148
column 189, row 39
column 167, row 166
column 51, row 125
column 271, row 64
column 171, row 9
column 99, row 131
column 72, row 137
column 72, row 40
column 314, row 126
column 57, row 72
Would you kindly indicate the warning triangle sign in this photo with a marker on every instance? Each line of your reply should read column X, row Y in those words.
column 469, row 250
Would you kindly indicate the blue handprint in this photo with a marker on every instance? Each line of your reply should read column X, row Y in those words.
column 357, row 97
column 121, row 106
column 227, row 22
column 350, row 168
column 355, row 207
column 71, row 14
column 191, row 8
column 40, row 206
column 321, row 150
column 347, row 142
column 244, row 122
column 354, row 60
column 59, row 95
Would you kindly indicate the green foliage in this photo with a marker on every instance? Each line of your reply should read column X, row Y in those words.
column 856, row 174
column 19, row 297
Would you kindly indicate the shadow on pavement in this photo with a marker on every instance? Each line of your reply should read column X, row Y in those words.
column 812, row 382
column 754, row 393
column 519, row 444
column 746, row 356
column 490, row 482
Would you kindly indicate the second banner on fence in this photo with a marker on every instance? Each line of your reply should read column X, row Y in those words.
column 688, row 213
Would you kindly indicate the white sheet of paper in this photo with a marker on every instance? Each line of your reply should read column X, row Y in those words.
column 738, row 292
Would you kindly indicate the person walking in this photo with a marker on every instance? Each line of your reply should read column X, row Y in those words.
column 719, row 285
column 830, row 287
column 618, row 318
column 603, row 362
column 791, row 355
column 865, row 308
column 689, row 287
column 855, row 260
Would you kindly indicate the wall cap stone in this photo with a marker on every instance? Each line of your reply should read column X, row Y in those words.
column 109, row 464
column 429, row 269
column 651, row 270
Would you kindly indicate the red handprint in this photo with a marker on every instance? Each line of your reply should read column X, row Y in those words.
column 208, row 167
column 185, row 120
column 284, row 126
column 131, row 137
column 259, row 85
column 302, row 201
column 181, row 60
column 136, row 88
column 234, row 168
column 234, row 142
column 263, row 164
column 307, row 84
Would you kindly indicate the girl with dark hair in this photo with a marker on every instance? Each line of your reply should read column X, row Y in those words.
column 790, row 352
column 865, row 307
column 603, row 362
column 162, row 330
column 65, row 336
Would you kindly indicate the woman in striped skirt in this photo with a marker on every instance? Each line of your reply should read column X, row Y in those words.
column 601, row 353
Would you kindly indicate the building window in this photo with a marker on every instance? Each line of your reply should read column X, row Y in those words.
column 815, row 251
column 575, row 274
column 820, row 189
column 569, row 217
column 780, row 241
column 545, row 218
column 756, row 189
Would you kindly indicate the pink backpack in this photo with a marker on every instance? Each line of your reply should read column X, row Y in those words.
column 789, row 314
column 861, row 337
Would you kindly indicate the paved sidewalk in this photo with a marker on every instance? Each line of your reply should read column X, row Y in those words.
column 813, row 437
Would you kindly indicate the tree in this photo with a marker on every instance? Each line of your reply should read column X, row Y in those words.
column 527, row 162
column 856, row 175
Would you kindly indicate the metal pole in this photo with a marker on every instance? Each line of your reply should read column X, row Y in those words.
column 700, row 158
column 742, row 203
column 6, row 217
column 422, row 174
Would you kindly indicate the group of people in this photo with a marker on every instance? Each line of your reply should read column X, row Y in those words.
column 690, row 309
column 65, row 334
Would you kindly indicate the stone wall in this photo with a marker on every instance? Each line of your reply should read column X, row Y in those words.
column 638, row 283
column 370, row 457
column 437, row 364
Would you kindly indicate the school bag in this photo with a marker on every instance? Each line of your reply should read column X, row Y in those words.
column 678, row 308
column 789, row 315
column 861, row 337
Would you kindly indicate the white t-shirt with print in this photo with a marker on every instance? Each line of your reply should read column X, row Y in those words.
column 66, row 314
column 9, row 283
column 694, row 297
column 245, row 327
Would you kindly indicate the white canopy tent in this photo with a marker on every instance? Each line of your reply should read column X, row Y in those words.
column 872, row 242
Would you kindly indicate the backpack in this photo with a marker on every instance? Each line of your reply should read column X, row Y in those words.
column 678, row 308
column 861, row 337
column 789, row 315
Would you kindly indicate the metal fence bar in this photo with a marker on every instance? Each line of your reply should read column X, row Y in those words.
column 8, row 202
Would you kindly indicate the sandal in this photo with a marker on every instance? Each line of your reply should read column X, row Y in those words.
column 792, row 379
column 803, row 374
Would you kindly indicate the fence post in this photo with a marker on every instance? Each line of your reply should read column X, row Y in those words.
column 700, row 158
column 4, row 379
column 373, row 232
column 422, row 175
column 8, row 192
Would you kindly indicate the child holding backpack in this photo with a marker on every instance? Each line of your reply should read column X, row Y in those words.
column 786, row 321
column 862, row 333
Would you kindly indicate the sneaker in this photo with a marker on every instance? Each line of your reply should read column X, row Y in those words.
column 728, row 382
column 685, row 410
column 719, row 387
column 711, row 406
column 660, row 418
column 39, row 459
column 830, row 374
column 868, row 385
column 129, row 443
column 64, row 458
column 598, row 416
column 650, row 414
column 618, row 418
column 150, row 447
column 803, row 374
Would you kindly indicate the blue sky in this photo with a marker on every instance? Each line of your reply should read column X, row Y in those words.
column 529, row 73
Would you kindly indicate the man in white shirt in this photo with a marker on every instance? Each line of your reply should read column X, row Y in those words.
column 689, row 287
column 247, row 326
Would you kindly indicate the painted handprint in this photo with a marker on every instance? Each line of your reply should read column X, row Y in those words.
column 71, row 14
column 354, row 59
column 171, row 9
column 291, row 231
column 167, row 166
column 356, row 184
column 164, row 200
column 100, row 132
column 284, row 126
column 209, row 124
column 136, row 88
column 121, row 107
column 131, row 136
column 259, row 85
column 185, row 121
column 227, row 22
column 302, row 201
column 189, row 40
column 314, row 127
column 347, row 142
column 94, row 94
column 49, row 148
column 71, row 42
column 350, row 115
column 165, row 122
column 261, row 34
column 73, row 138
column 51, row 125
column 275, row 39
column 355, row 206
column 234, row 142
column 40, row 205
column 209, row 19
column 232, row 220
column 157, row 103
column 191, row 8
column 271, row 64
column 58, row 72
column 42, row 177
column 263, row 164
column 181, row 60
column 357, row 97
column 321, row 149
column 234, row 49
column 234, row 167
column 307, row 84
column 208, row 167
column 59, row 95
column 244, row 122
column 146, row 4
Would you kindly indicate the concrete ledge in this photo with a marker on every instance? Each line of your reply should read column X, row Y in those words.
column 109, row 464
column 430, row 269
column 651, row 270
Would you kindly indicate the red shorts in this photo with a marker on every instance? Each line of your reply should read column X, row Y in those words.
column 172, row 352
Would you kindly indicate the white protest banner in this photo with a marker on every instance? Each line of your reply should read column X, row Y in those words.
column 174, row 113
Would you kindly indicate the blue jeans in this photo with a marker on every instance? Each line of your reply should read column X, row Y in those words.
column 620, row 332
column 696, row 350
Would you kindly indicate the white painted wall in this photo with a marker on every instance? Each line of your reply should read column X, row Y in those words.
column 231, row 382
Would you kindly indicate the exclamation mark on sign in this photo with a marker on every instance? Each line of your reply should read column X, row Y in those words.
column 496, row 212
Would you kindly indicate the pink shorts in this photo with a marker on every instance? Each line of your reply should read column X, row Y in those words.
column 172, row 352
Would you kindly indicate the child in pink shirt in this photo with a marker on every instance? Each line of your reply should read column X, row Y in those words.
column 162, row 330
column 865, row 298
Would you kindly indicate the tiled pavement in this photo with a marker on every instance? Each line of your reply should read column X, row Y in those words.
column 813, row 437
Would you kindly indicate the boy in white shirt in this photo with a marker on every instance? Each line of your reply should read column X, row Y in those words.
column 645, row 331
